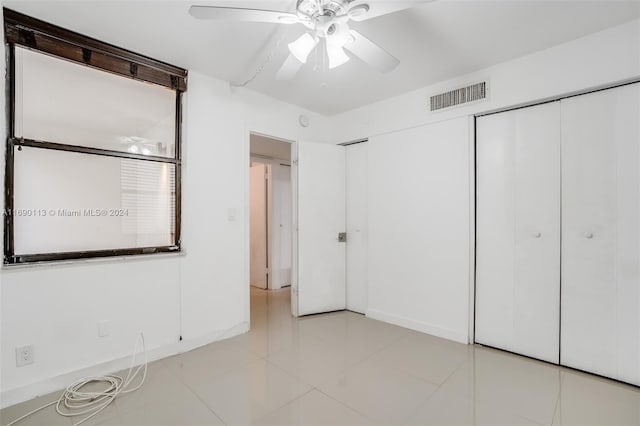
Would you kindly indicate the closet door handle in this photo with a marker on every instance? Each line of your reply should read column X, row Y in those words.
column 588, row 235
column 537, row 234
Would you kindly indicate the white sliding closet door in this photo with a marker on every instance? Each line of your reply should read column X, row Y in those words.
column 518, row 231
column 601, row 233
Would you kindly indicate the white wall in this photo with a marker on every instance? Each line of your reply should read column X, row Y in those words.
column 356, row 214
column 420, row 258
column 599, row 59
column 202, row 295
column 419, row 228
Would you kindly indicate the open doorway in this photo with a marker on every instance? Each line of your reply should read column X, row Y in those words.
column 270, row 222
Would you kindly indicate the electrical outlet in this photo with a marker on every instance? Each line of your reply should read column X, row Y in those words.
column 24, row 356
column 104, row 328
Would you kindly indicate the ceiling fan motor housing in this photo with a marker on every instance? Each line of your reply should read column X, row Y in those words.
column 315, row 9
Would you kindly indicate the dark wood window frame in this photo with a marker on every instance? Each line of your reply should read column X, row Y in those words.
column 34, row 34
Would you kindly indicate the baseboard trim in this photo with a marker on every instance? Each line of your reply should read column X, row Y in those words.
column 423, row 327
column 51, row 384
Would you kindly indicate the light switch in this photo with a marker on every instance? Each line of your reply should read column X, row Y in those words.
column 104, row 328
column 231, row 214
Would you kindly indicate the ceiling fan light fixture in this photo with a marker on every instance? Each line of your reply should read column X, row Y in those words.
column 340, row 35
column 337, row 56
column 302, row 47
column 326, row 21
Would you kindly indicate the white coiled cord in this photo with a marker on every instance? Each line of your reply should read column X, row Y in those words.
column 74, row 401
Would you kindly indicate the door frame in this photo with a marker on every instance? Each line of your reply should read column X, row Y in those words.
column 271, row 251
column 269, row 161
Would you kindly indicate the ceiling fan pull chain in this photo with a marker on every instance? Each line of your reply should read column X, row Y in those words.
column 316, row 65
column 324, row 65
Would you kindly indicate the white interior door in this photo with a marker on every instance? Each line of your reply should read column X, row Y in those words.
column 280, row 225
column 601, row 233
column 518, row 231
column 320, row 218
column 357, row 227
column 258, row 224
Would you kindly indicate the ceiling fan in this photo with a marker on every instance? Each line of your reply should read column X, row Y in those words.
column 327, row 23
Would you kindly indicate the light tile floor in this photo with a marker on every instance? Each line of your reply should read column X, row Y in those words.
column 345, row 369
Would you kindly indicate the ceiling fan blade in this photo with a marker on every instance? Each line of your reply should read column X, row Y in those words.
column 303, row 46
column 371, row 53
column 289, row 68
column 243, row 15
column 375, row 8
column 337, row 56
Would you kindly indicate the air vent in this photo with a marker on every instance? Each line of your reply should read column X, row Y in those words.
column 464, row 95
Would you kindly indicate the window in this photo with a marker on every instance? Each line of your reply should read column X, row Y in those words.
column 93, row 147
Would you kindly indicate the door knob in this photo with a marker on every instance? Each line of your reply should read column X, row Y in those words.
column 537, row 234
column 588, row 235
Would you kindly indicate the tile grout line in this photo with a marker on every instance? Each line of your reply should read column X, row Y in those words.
column 371, row 355
column 555, row 409
column 311, row 389
column 344, row 404
column 194, row 393
column 237, row 368
column 415, row 376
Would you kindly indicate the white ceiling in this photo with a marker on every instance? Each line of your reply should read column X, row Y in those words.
column 264, row 146
column 435, row 40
